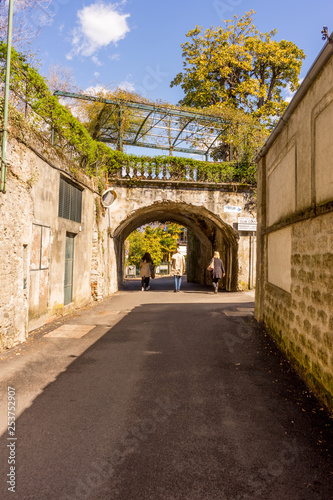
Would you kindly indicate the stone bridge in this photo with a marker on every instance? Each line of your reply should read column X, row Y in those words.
column 60, row 247
column 208, row 210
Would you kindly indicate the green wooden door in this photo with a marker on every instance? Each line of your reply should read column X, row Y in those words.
column 69, row 258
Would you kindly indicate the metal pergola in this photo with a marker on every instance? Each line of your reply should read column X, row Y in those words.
column 123, row 122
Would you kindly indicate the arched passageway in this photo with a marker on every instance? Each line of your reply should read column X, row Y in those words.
column 207, row 232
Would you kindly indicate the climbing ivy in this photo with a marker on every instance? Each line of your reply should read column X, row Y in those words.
column 29, row 86
column 26, row 83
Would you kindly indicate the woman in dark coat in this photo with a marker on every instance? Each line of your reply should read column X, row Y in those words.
column 216, row 267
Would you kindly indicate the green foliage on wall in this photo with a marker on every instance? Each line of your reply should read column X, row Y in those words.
column 29, row 86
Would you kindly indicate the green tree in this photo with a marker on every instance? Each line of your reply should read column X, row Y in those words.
column 237, row 67
column 136, row 246
column 152, row 244
column 158, row 242
column 168, row 240
column 142, row 242
column 243, row 138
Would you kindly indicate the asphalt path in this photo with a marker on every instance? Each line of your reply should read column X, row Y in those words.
column 161, row 395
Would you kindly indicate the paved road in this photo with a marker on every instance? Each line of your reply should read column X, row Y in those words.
column 156, row 395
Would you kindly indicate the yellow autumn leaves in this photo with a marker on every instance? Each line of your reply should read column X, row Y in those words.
column 236, row 66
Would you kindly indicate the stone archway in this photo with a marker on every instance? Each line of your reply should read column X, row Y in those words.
column 208, row 232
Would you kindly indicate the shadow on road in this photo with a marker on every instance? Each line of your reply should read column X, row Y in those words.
column 176, row 401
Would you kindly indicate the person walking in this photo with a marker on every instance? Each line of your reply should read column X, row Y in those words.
column 146, row 271
column 177, row 268
column 216, row 268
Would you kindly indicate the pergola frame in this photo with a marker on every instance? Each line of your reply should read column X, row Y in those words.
column 195, row 133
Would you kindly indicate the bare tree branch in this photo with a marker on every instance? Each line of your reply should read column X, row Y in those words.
column 29, row 17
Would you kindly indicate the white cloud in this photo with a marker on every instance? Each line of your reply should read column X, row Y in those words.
column 96, row 74
column 99, row 24
column 115, row 57
column 96, row 61
column 126, row 85
column 96, row 89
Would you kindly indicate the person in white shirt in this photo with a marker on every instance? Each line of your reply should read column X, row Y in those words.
column 177, row 268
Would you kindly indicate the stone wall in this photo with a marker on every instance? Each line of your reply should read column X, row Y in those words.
column 33, row 238
column 295, row 230
column 201, row 207
column 302, row 320
column 16, row 213
column 103, row 280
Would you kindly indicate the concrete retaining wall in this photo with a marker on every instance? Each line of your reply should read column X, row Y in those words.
column 295, row 230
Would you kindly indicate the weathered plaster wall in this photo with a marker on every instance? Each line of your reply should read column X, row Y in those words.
column 104, row 279
column 295, row 236
column 278, row 258
column 32, row 241
column 16, row 213
column 281, row 181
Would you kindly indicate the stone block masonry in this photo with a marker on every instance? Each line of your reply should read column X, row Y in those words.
column 302, row 321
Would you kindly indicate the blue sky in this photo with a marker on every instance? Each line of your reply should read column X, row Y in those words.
column 137, row 44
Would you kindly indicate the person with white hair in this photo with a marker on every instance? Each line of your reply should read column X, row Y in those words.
column 216, row 268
